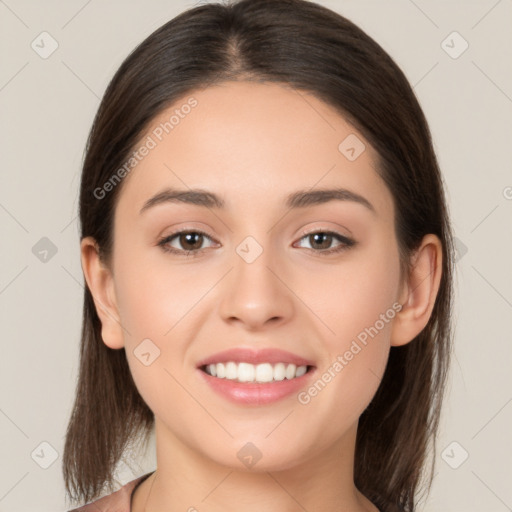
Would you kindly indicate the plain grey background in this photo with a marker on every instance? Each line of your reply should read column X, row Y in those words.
column 47, row 104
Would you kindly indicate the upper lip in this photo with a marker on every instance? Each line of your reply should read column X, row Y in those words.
column 253, row 356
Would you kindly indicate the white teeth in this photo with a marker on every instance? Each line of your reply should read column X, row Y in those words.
column 301, row 370
column 290, row 371
column 264, row 372
column 221, row 370
column 279, row 371
column 245, row 372
column 231, row 371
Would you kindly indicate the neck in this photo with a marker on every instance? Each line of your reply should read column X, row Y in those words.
column 188, row 481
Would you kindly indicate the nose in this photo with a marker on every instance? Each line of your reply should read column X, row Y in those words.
column 256, row 293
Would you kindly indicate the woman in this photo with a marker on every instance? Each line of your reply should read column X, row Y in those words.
column 268, row 259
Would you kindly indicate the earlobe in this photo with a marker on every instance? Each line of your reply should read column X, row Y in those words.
column 101, row 285
column 419, row 292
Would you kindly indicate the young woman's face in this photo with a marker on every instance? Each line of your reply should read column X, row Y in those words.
column 260, row 281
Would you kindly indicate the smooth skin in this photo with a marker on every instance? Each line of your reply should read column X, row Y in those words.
column 253, row 144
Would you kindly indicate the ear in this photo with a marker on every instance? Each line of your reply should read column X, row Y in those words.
column 419, row 291
column 101, row 284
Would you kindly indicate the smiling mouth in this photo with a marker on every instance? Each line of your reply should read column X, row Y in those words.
column 258, row 373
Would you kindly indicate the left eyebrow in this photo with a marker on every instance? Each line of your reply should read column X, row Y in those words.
column 197, row 197
column 299, row 199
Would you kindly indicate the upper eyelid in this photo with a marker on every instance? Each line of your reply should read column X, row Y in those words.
column 327, row 230
column 193, row 230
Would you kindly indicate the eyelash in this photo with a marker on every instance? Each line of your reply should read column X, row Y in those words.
column 346, row 243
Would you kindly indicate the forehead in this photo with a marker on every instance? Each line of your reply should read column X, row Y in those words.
column 248, row 140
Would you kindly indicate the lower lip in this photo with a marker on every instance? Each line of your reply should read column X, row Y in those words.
column 255, row 393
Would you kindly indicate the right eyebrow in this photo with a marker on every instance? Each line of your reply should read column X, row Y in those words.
column 304, row 198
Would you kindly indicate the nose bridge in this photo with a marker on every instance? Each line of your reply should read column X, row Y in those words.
column 254, row 293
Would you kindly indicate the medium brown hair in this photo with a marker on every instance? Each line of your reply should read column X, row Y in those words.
column 315, row 50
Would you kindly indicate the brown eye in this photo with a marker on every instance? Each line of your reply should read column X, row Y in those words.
column 321, row 242
column 185, row 242
column 190, row 241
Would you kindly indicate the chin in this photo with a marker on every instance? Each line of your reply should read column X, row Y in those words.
column 255, row 456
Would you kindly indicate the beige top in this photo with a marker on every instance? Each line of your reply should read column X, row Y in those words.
column 118, row 501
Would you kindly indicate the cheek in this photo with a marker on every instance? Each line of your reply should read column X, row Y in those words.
column 153, row 295
column 359, row 297
column 358, row 309
column 160, row 305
